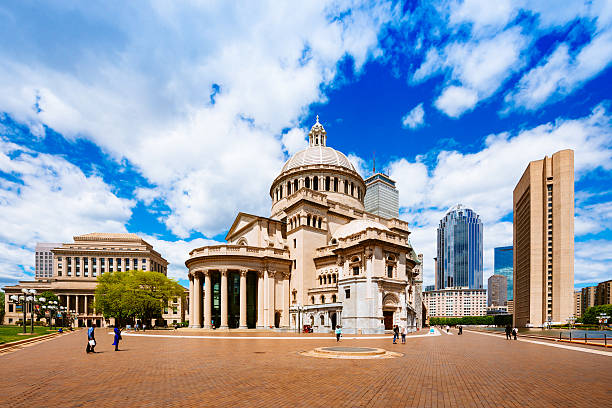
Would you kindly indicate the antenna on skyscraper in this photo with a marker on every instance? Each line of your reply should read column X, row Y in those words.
column 374, row 162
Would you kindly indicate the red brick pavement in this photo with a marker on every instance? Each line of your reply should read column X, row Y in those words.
column 442, row 371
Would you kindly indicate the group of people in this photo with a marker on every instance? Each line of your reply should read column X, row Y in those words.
column 91, row 339
column 511, row 331
column 397, row 332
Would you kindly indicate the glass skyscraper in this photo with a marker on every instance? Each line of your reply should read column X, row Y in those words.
column 459, row 249
column 503, row 266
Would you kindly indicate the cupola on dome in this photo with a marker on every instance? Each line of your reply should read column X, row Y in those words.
column 317, row 152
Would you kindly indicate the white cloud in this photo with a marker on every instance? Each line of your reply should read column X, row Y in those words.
column 483, row 14
column 415, row 118
column 47, row 199
column 456, row 100
column 360, row 165
column 561, row 74
column 151, row 101
column 484, row 180
column 295, row 140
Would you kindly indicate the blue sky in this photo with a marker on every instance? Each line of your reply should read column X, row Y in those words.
column 167, row 119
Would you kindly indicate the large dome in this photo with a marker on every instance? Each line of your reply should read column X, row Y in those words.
column 318, row 152
column 318, row 155
column 357, row 226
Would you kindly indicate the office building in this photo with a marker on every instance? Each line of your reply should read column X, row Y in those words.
column 455, row 302
column 587, row 298
column 502, row 260
column 578, row 303
column 381, row 197
column 543, row 241
column 459, row 260
column 43, row 260
column 603, row 293
column 429, row 288
column 497, row 291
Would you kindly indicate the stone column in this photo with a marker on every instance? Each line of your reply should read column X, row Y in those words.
column 76, row 301
column 191, row 317
column 286, row 300
column 197, row 304
column 243, row 298
column 223, row 299
column 266, row 299
column 85, row 306
column 271, row 294
column 207, row 300
column 260, row 299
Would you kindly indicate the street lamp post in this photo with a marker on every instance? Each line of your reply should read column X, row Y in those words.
column 32, row 299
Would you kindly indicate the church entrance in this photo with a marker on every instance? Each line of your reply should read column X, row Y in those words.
column 388, row 316
column 333, row 321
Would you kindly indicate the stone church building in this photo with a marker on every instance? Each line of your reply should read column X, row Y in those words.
column 320, row 259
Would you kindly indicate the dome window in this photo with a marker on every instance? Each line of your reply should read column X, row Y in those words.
column 307, row 182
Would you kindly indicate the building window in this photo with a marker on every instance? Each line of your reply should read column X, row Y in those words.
column 307, row 182
column 327, row 183
column 312, row 300
column 322, row 299
column 336, row 184
column 315, row 183
column 389, row 271
column 10, row 308
column 333, row 298
column 355, row 270
column 294, row 242
column 347, row 293
column 322, row 320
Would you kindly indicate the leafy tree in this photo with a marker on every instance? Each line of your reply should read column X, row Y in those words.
column 592, row 313
column 134, row 294
column 2, row 298
column 467, row 320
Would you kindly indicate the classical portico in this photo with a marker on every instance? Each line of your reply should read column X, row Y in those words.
column 234, row 286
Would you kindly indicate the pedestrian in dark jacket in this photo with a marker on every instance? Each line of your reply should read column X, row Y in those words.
column 508, row 332
column 514, row 333
column 395, row 333
column 91, row 339
column 117, row 338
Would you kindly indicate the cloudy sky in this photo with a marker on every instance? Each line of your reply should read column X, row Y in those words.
column 166, row 119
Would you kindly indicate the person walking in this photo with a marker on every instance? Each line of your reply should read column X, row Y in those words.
column 447, row 328
column 404, row 333
column 117, row 338
column 91, row 339
column 460, row 330
column 514, row 333
column 395, row 333
column 508, row 332
column 338, row 333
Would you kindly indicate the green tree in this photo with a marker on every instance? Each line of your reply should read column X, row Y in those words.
column 134, row 294
column 592, row 313
column 2, row 298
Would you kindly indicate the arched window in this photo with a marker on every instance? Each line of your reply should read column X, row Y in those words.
column 324, row 279
column 280, row 192
column 345, row 186
column 353, row 189
column 319, row 223
column 295, row 185
column 315, row 183
column 334, row 276
column 320, row 280
column 288, row 187
column 336, row 184
column 327, row 183
column 322, row 302
column 329, row 279
column 312, row 300
column 333, row 298
column 322, row 320
column 308, row 220
column 307, row 182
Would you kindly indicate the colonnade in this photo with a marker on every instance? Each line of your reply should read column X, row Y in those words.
column 268, row 283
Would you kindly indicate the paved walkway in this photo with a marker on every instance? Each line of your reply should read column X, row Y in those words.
column 440, row 371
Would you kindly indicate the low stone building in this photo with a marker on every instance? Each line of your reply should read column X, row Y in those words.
column 76, row 266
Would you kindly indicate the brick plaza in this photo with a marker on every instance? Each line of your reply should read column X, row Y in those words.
column 439, row 371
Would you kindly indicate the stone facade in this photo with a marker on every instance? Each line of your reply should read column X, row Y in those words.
column 319, row 260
